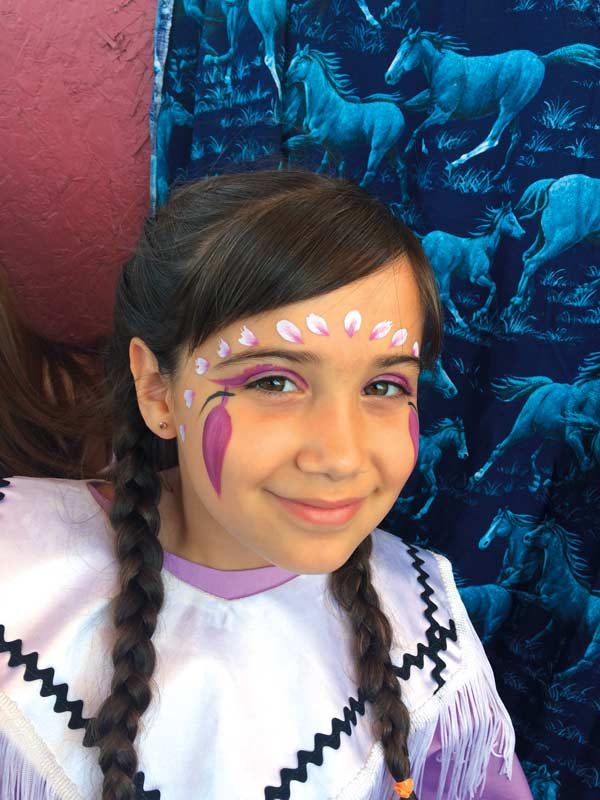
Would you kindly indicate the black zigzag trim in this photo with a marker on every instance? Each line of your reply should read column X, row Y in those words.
column 140, row 792
column 315, row 756
column 60, row 691
column 437, row 636
column 46, row 676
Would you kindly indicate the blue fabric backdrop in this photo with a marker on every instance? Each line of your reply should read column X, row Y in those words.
column 478, row 123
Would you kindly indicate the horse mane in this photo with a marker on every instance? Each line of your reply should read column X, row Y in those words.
column 439, row 40
column 589, row 370
column 521, row 519
column 490, row 219
column 444, row 424
column 332, row 68
column 572, row 550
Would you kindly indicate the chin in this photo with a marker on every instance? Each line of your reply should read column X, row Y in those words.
column 317, row 565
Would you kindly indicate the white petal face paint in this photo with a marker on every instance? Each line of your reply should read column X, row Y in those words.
column 317, row 324
column 224, row 349
column 399, row 337
column 188, row 397
column 415, row 349
column 182, row 432
column 352, row 322
column 381, row 329
column 290, row 332
column 202, row 366
column 248, row 338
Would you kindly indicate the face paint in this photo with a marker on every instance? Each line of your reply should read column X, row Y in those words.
column 188, row 396
column 202, row 366
column 217, row 427
column 248, row 338
column 224, row 349
column 380, row 330
column 290, row 332
column 250, row 372
column 352, row 322
column 399, row 337
column 182, row 432
column 413, row 429
column 215, row 438
column 317, row 324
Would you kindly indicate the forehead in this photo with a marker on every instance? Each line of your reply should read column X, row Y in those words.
column 389, row 294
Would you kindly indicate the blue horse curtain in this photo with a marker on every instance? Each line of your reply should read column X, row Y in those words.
column 478, row 123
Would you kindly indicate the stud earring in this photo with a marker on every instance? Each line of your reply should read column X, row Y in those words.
column 163, row 425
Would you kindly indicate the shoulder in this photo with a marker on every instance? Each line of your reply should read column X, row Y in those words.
column 417, row 584
column 50, row 529
column 435, row 647
column 440, row 661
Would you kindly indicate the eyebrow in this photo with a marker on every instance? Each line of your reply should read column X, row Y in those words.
column 310, row 358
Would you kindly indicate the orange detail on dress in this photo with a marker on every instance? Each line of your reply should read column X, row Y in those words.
column 404, row 788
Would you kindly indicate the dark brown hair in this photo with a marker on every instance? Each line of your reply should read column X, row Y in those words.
column 221, row 250
column 52, row 423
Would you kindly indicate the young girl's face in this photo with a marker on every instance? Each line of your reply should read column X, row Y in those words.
column 329, row 426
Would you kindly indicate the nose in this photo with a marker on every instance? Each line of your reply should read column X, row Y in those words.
column 337, row 434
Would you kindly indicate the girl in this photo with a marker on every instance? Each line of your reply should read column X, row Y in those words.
column 221, row 617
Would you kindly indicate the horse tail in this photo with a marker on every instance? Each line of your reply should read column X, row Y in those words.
column 574, row 54
column 513, row 387
column 538, row 192
column 395, row 97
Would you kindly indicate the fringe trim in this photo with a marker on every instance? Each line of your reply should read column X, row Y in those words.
column 28, row 769
column 474, row 723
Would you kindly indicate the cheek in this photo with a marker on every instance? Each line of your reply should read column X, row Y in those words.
column 413, row 428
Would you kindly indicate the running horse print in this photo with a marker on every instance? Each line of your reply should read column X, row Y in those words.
column 473, row 87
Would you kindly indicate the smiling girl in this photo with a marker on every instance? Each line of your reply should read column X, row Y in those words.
column 220, row 618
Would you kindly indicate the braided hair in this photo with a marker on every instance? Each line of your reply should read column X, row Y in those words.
column 222, row 249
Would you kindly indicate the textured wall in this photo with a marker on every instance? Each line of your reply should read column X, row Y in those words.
column 75, row 89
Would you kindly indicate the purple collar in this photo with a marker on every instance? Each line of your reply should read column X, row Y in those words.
column 228, row 584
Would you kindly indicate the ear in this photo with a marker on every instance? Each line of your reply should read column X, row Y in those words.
column 154, row 394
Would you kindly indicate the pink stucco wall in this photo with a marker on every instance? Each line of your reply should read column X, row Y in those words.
column 75, row 89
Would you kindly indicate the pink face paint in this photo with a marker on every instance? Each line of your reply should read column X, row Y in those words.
column 399, row 337
column 238, row 380
column 290, row 332
column 215, row 438
column 248, row 338
column 413, row 429
column 393, row 376
column 352, row 322
column 381, row 329
column 217, row 428
column 317, row 324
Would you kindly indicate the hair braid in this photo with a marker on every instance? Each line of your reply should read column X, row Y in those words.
column 353, row 589
column 135, row 518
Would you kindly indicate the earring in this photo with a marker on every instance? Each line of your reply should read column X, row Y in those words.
column 163, row 425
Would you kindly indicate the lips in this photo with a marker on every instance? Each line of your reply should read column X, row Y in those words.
column 318, row 515
column 316, row 503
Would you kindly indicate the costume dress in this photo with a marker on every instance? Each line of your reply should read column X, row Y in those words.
column 254, row 694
